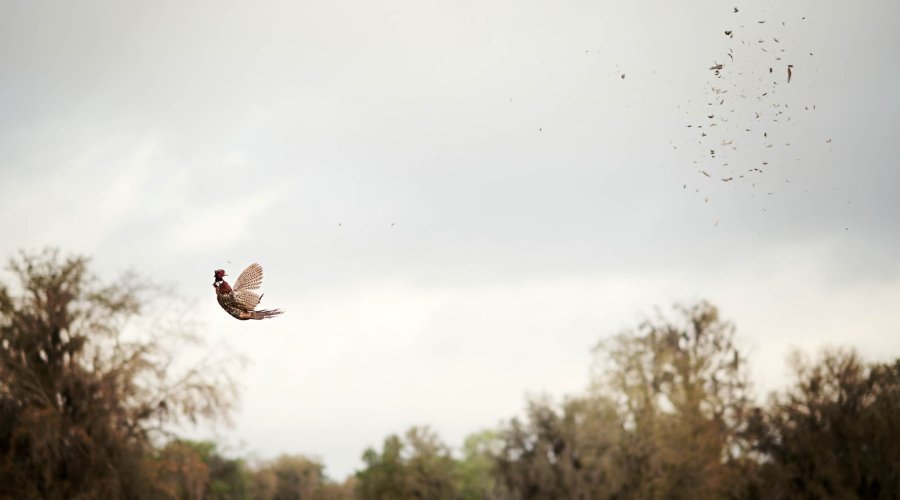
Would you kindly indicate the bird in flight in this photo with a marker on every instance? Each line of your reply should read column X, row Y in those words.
column 241, row 301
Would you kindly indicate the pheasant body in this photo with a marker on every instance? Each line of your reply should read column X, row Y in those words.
column 241, row 301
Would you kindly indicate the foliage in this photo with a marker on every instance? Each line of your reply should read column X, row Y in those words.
column 85, row 397
column 565, row 453
column 178, row 472
column 419, row 466
column 79, row 399
column 834, row 433
column 196, row 469
column 663, row 419
column 476, row 470
column 682, row 392
column 295, row 477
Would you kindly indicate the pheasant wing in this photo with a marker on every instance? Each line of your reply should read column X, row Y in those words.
column 250, row 279
column 246, row 299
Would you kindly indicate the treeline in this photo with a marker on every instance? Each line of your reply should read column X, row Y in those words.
column 669, row 413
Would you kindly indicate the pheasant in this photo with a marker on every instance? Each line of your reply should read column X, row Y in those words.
column 241, row 300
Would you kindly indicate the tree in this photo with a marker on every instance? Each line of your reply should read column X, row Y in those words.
column 81, row 399
column 834, row 433
column 664, row 419
column 418, row 467
column 227, row 478
column 178, row 472
column 295, row 477
column 476, row 469
column 683, row 395
column 567, row 453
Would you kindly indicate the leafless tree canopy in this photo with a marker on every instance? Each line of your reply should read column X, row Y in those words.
column 80, row 399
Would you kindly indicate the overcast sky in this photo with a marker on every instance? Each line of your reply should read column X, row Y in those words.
column 454, row 201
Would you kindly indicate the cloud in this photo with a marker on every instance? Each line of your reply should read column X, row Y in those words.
column 220, row 224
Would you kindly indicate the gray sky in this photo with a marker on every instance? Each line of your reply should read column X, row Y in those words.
column 541, row 201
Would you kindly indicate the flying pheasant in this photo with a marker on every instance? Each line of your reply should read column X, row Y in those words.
column 241, row 300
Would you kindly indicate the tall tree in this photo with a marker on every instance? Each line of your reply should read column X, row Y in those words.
column 80, row 400
column 683, row 394
column 664, row 419
column 834, row 434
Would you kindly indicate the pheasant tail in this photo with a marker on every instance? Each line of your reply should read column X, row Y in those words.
column 265, row 313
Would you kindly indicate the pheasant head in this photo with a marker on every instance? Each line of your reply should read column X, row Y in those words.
column 219, row 282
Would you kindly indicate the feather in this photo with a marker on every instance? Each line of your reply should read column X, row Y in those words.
column 246, row 299
column 241, row 301
column 264, row 313
column 250, row 279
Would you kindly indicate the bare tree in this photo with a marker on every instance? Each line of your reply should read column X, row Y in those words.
column 82, row 389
